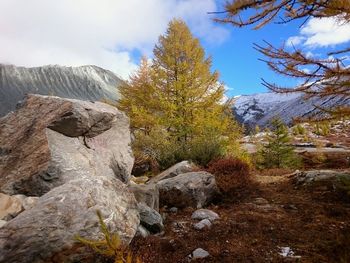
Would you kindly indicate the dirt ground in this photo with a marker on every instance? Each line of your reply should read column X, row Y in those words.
column 315, row 225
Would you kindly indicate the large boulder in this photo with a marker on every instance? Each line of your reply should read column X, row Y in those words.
column 45, row 233
column 179, row 168
column 49, row 141
column 195, row 189
column 324, row 179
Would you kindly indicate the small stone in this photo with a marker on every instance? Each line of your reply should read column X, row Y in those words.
column 200, row 253
column 173, row 210
column 290, row 207
column 260, row 201
column 142, row 231
column 201, row 214
column 202, row 224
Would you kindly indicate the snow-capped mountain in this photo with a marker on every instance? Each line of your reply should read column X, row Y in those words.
column 259, row 109
column 85, row 82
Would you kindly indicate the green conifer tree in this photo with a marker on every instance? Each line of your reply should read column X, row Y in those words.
column 278, row 153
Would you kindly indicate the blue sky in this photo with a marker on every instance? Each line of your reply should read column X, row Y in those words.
column 239, row 63
column 113, row 34
column 237, row 60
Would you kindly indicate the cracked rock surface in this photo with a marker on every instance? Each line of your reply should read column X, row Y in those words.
column 75, row 156
column 45, row 233
column 49, row 141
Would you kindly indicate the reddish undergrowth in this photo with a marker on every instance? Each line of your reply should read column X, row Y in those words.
column 314, row 224
column 232, row 178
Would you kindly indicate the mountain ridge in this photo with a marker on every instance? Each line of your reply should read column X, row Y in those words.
column 87, row 82
column 260, row 108
column 92, row 83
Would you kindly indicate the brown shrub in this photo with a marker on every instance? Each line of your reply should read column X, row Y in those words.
column 231, row 175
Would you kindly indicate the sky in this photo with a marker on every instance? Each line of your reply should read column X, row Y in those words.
column 113, row 34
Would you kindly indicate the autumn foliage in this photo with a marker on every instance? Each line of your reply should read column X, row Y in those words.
column 175, row 103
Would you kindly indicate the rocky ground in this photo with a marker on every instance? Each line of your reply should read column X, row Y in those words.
column 275, row 221
column 320, row 145
column 62, row 160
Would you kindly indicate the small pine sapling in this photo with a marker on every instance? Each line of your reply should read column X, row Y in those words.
column 278, row 153
column 110, row 246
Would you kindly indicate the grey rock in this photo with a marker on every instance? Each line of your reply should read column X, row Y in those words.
column 2, row 223
column 201, row 214
column 148, row 194
column 199, row 253
column 330, row 179
column 35, row 158
column 142, row 231
column 47, row 230
column 85, row 83
column 150, row 218
column 173, row 209
column 194, row 189
column 308, row 177
column 179, row 168
column 205, row 223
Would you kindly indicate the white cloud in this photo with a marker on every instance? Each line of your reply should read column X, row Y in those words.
column 325, row 32
column 322, row 32
column 294, row 41
column 100, row 32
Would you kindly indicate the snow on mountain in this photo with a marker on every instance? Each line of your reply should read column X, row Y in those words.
column 94, row 83
column 85, row 82
column 259, row 109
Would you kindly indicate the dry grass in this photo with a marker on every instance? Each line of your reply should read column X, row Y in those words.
column 314, row 224
column 274, row 172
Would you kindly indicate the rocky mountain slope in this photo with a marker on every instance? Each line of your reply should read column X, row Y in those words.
column 94, row 83
column 259, row 109
column 85, row 82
